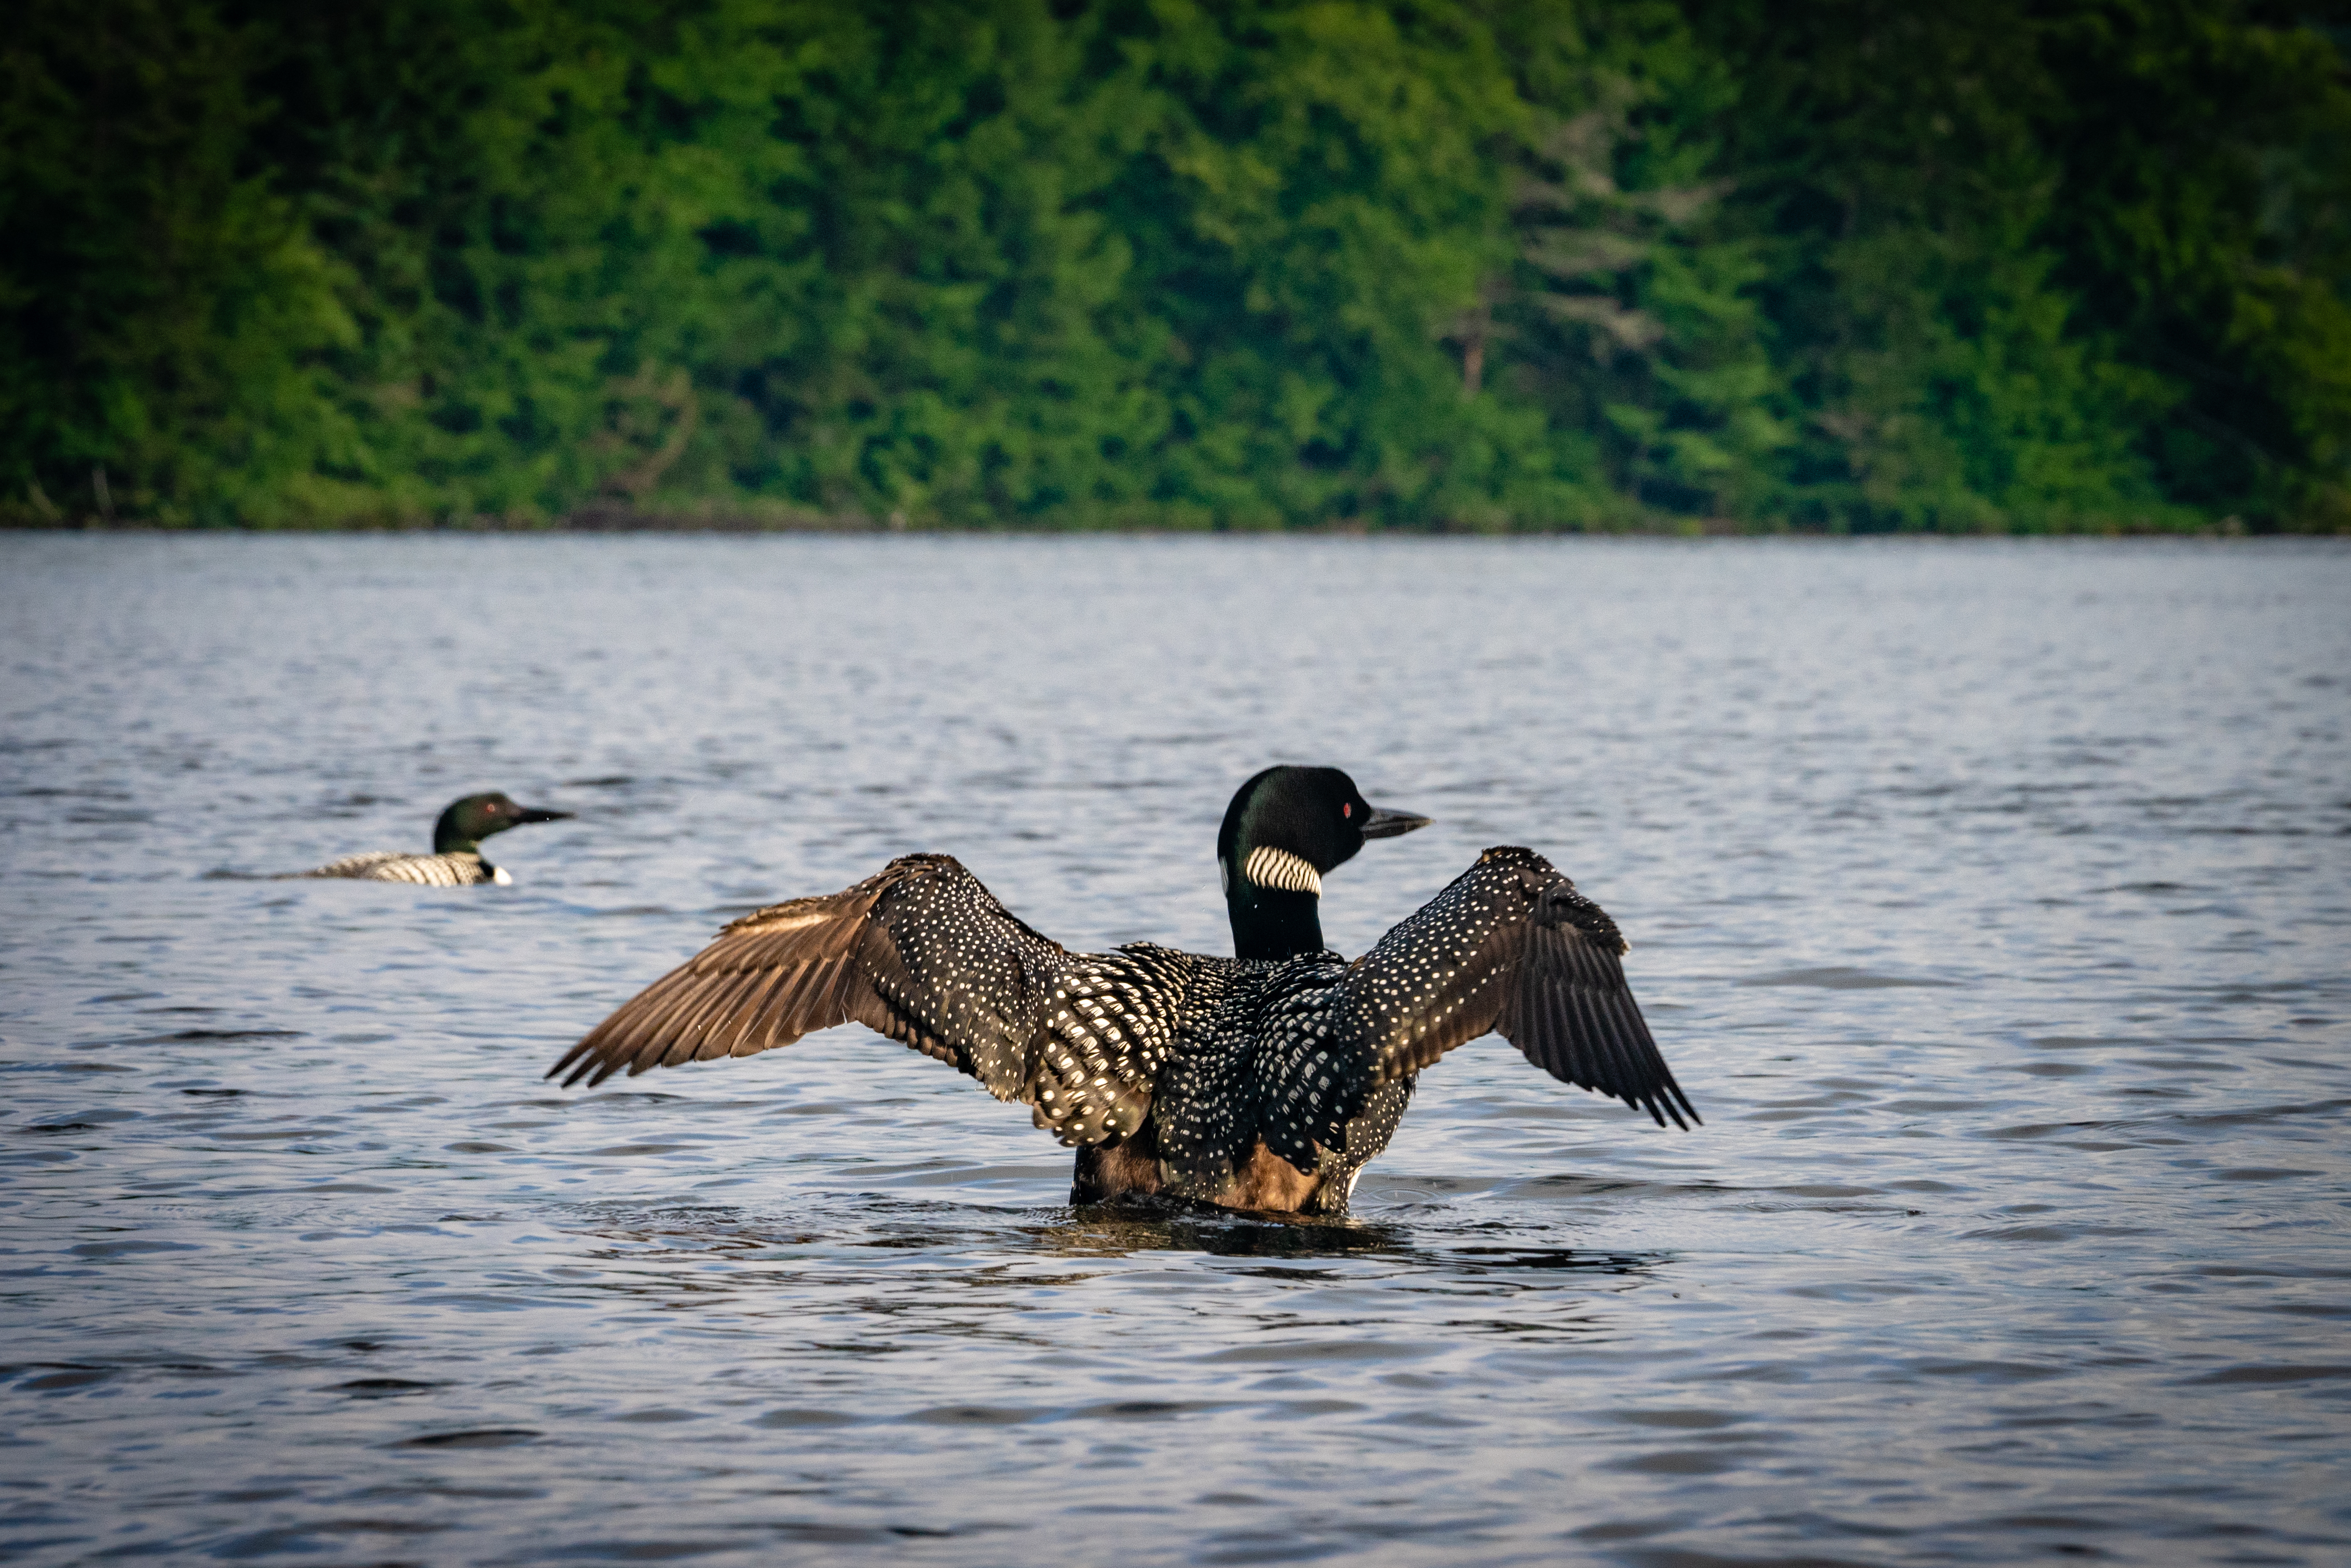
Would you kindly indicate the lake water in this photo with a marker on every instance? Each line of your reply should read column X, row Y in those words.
column 1992, row 901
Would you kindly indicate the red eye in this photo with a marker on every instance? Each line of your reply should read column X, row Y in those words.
column 1347, row 809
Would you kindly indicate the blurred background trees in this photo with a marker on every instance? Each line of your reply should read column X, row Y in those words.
column 1848, row 264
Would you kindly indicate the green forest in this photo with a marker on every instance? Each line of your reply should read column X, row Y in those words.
column 1841, row 266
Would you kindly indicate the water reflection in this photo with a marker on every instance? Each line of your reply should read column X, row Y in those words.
column 1138, row 1222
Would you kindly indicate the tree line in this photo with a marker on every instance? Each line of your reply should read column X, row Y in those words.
column 1477, row 264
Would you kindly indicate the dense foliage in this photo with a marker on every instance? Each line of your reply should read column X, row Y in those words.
column 1471, row 264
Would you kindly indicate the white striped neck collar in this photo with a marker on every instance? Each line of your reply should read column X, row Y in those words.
column 1279, row 869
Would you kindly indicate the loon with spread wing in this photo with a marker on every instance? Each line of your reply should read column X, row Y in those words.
column 1265, row 1081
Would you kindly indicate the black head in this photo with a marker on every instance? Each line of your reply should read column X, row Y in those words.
column 1285, row 828
column 466, row 823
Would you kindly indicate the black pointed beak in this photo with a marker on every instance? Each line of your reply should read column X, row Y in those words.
column 534, row 814
column 1387, row 824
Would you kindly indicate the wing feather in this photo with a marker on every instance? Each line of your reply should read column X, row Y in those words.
column 921, row 953
column 801, row 1001
column 689, row 1023
column 643, row 1030
column 796, row 1000
column 749, row 1016
column 1511, row 947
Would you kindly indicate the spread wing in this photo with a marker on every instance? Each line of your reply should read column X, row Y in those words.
column 1509, row 946
column 921, row 953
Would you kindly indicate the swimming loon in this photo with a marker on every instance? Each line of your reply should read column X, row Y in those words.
column 456, row 858
column 1265, row 1081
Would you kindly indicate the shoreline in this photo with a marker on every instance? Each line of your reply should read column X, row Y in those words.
column 843, row 528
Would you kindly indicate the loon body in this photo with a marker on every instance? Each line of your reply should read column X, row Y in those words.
column 1265, row 1081
column 456, row 858
column 461, row 870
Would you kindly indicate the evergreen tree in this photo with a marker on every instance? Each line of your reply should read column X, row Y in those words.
column 1460, row 263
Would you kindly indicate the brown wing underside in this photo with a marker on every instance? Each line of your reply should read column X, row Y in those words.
column 920, row 953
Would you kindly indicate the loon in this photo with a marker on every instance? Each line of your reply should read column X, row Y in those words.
column 456, row 858
column 1265, row 1081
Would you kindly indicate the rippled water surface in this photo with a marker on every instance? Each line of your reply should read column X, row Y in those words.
column 1991, row 901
